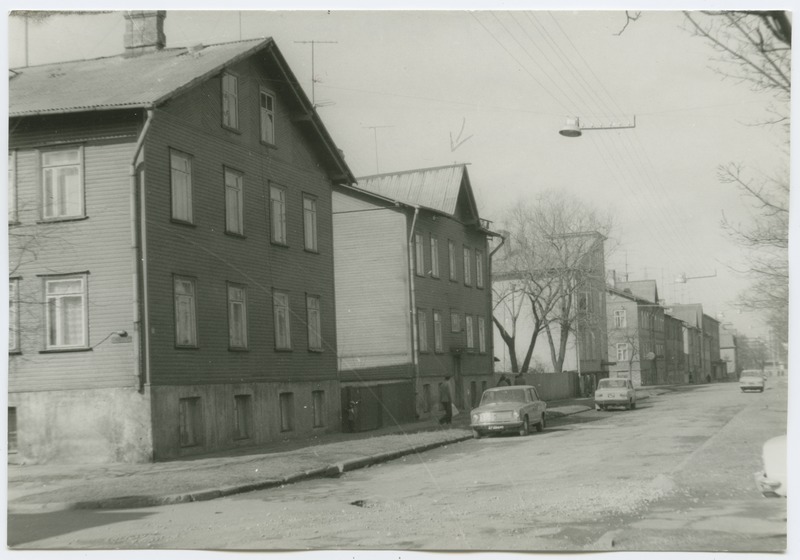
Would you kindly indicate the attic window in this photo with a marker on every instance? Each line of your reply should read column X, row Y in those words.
column 267, row 116
column 230, row 101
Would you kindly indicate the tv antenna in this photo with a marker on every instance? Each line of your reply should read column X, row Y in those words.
column 375, row 135
column 314, row 79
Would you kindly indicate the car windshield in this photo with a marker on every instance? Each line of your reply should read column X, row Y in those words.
column 503, row 396
column 612, row 384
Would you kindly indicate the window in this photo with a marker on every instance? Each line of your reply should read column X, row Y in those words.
column 181, row 184
column 185, row 313
column 455, row 321
column 267, row 116
column 451, row 254
column 585, row 302
column 66, row 312
column 470, row 338
column 622, row 352
column 467, row 266
column 190, row 420
column 434, row 257
column 280, row 304
column 12, row 187
column 277, row 203
column 419, row 255
column 234, row 202
column 310, row 222
column 13, row 315
column 62, row 184
column 287, row 411
column 230, row 101
column 422, row 330
column 314, row 323
column 620, row 318
column 318, row 406
column 481, row 335
column 237, row 317
column 12, row 429
column 437, row 331
column 426, row 398
column 479, row 269
column 242, row 416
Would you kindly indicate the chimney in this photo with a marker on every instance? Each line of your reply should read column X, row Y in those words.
column 144, row 32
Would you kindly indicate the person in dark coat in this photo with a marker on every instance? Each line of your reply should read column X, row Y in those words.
column 519, row 380
column 447, row 401
column 503, row 380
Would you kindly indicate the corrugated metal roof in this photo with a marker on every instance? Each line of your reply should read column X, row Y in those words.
column 436, row 188
column 117, row 82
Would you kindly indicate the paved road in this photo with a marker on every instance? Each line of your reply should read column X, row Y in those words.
column 675, row 474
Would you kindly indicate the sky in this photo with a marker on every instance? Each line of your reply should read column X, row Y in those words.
column 402, row 90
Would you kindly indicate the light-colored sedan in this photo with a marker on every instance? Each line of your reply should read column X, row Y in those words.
column 505, row 409
column 751, row 383
column 615, row 392
column 771, row 482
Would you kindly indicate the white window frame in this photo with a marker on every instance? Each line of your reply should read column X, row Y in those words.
column 310, row 223
column 12, row 186
column 437, row 332
column 266, row 115
column 468, row 322
column 620, row 318
column 277, row 214
column 434, row 256
column 314, row 320
column 422, row 330
column 234, row 201
column 479, row 268
column 622, row 351
column 230, row 101
column 55, row 337
column 181, row 188
column 237, row 321
column 451, row 257
column 467, row 266
column 13, row 315
column 188, row 298
column 282, row 320
column 482, row 335
column 55, row 195
column 419, row 255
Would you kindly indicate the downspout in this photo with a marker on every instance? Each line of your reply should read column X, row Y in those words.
column 491, row 297
column 411, row 273
column 142, row 347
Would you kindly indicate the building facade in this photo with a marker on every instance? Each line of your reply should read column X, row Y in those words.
column 171, row 253
column 413, row 293
column 706, row 344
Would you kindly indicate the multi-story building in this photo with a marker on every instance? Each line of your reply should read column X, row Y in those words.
column 413, row 293
column 171, row 252
column 729, row 352
column 711, row 366
column 676, row 370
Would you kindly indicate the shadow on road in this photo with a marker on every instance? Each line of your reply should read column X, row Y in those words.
column 29, row 527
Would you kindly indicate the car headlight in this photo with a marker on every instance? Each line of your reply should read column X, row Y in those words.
column 515, row 414
column 475, row 418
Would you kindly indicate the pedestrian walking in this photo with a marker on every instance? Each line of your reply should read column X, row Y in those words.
column 503, row 380
column 446, row 400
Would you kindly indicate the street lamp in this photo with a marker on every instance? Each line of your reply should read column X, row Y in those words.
column 682, row 278
column 573, row 127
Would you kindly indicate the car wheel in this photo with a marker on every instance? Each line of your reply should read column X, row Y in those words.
column 742, row 390
column 633, row 405
column 541, row 425
column 525, row 428
column 598, row 407
column 628, row 406
column 476, row 434
column 761, row 390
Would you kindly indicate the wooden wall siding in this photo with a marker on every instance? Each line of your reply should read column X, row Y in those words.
column 99, row 244
column 372, row 291
column 32, row 132
column 205, row 252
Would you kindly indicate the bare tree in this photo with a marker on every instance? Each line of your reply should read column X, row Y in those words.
column 754, row 47
column 547, row 266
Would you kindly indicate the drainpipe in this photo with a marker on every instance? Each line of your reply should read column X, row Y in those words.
column 490, row 275
column 414, row 345
column 142, row 348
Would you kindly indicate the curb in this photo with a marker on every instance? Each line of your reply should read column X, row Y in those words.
column 133, row 502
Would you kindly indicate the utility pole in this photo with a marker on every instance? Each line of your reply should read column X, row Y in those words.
column 313, row 77
column 375, row 135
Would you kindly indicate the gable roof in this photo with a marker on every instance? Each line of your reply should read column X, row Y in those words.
column 149, row 80
column 645, row 289
column 434, row 188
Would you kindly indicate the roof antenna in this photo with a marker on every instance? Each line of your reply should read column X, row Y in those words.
column 375, row 134
column 314, row 79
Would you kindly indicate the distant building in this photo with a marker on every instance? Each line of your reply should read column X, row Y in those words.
column 712, row 367
column 413, row 293
column 729, row 352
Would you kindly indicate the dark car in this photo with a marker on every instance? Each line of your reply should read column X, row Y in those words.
column 508, row 409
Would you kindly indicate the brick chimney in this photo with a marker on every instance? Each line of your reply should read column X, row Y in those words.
column 144, row 32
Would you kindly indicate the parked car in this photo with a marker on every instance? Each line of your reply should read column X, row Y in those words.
column 751, row 383
column 508, row 409
column 771, row 482
column 614, row 392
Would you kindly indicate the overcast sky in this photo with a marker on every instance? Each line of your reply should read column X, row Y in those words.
column 500, row 85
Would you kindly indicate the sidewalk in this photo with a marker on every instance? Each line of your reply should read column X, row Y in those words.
column 39, row 488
